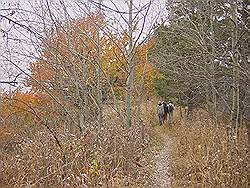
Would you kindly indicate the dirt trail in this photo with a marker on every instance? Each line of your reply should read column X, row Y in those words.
column 161, row 176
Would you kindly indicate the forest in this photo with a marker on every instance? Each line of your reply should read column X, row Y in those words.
column 124, row 93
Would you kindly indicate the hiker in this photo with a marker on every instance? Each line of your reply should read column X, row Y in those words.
column 160, row 112
column 165, row 105
column 168, row 111
column 170, row 106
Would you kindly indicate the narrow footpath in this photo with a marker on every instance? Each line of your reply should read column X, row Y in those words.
column 161, row 176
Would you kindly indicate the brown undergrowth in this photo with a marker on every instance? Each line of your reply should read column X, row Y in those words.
column 110, row 156
column 204, row 156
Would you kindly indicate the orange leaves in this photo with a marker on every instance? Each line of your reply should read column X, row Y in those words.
column 66, row 50
column 27, row 98
column 23, row 102
column 70, row 55
column 41, row 73
column 19, row 106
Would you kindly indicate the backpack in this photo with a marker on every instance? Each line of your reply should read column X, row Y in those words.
column 165, row 105
column 170, row 107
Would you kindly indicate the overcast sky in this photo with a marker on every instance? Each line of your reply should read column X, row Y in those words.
column 20, row 47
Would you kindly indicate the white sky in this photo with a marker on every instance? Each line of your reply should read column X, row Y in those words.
column 20, row 47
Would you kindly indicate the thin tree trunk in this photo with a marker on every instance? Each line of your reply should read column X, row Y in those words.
column 236, row 89
column 233, row 99
column 238, row 101
column 214, row 97
column 99, row 72
column 84, row 106
column 141, row 88
column 129, row 83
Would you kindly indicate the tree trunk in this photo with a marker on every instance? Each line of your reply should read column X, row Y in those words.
column 236, row 89
column 84, row 106
column 213, row 68
column 129, row 83
column 99, row 72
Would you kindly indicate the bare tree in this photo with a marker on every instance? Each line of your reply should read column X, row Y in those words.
column 99, row 71
column 129, row 83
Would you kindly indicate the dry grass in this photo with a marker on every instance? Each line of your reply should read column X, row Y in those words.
column 112, row 156
column 203, row 156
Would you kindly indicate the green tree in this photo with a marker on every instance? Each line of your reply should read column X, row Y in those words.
column 200, row 55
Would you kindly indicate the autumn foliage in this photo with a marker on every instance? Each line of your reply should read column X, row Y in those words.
column 85, row 114
column 17, row 112
column 63, row 86
column 68, row 55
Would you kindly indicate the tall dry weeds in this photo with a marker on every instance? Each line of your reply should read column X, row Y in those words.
column 109, row 156
column 204, row 156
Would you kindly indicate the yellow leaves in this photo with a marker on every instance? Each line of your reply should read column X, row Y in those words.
column 144, row 71
column 114, row 64
column 144, row 77
column 74, row 45
column 24, row 102
column 141, row 51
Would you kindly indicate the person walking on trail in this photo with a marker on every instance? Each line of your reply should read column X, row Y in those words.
column 170, row 111
column 165, row 106
column 160, row 112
